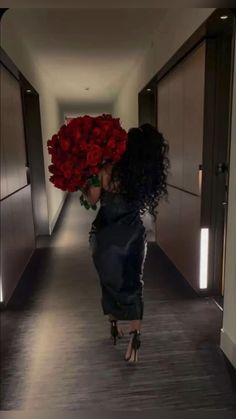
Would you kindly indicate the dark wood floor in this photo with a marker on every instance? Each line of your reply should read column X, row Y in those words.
column 56, row 351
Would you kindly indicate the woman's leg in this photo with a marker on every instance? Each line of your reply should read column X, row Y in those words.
column 135, row 325
column 114, row 325
column 136, row 268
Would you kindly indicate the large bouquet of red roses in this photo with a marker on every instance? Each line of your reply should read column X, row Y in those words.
column 80, row 148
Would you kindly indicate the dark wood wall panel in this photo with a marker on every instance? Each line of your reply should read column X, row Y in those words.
column 193, row 121
column 178, row 232
column 3, row 168
column 12, row 135
column 167, row 227
column 17, row 236
column 180, row 119
column 170, row 121
column 176, row 116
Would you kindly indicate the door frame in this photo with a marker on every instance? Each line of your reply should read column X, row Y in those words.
column 219, row 37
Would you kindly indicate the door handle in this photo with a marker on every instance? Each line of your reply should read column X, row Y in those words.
column 221, row 168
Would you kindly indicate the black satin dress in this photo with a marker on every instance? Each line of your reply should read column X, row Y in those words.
column 118, row 245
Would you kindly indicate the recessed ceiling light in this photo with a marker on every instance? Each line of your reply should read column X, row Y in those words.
column 223, row 17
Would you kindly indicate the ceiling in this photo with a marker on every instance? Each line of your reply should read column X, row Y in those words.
column 79, row 49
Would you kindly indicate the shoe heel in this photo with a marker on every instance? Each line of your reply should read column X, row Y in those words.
column 134, row 347
column 114, row 331
column 133, row 357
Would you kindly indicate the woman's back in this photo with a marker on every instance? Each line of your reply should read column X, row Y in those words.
column 114, row 206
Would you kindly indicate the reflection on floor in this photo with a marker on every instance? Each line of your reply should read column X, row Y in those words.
column 56, row 351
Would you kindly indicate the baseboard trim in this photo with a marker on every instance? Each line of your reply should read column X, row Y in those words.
column 55, row 218
column 228, row 347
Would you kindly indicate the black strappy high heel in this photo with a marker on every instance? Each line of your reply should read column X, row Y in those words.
column 135, row 345
column 115, row 332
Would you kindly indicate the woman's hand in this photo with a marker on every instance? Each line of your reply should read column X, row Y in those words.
column 93, row 193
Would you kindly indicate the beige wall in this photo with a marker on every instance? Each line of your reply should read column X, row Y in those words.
column 228, row 332
column 176, row 27
column 15, row 48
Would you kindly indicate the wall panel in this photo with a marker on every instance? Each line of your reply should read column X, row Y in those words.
column 176, row 119
column 168, row 231
column 194, row 86
column 178, row 232
column 12, row 134
column 17, row 236
column 180, row 118
column 17, row 226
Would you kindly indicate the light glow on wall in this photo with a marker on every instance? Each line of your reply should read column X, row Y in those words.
column 204, row 246
column 1, row 293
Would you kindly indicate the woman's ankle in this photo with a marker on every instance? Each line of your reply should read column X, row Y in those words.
column 135, row 325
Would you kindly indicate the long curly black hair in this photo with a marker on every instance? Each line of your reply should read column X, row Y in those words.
column 142, row 171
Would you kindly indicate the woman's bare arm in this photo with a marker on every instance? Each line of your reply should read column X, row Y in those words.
column 93, row 193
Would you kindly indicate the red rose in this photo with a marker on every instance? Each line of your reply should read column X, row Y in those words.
column 77, row 136
column 67, row 169
column 94, row 155
column 59, row 182
column 53, row 141
column 116, row 156
column 111, row 143
column 83, row 145
column 77, row 171
column 72, row 187
column 107, row 153
column 94, row 170
column 81, row 162
column 75, row 150
column 53, row 169
column 96, row 132
column 121, row 147
column 65, row 144
column 87, row 124
column 56, row 160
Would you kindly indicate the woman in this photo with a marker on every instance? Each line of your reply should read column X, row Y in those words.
column 118, row 242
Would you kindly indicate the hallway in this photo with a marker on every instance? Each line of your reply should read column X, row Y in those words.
column 56, row 351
